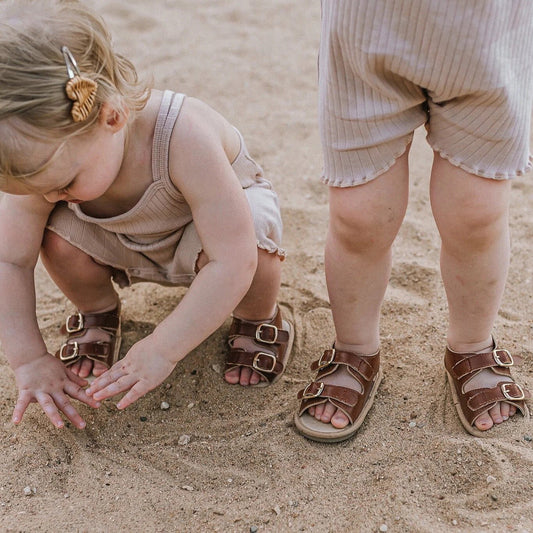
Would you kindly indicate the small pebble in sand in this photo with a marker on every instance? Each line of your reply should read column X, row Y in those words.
column 412, row 424
column 254, row 529
column 164, row 406
column 29, row 491
column 454, row 522
column 190, row 406
column 383, row 528
column 184, row 440
column 187, row 487
column 491, row 479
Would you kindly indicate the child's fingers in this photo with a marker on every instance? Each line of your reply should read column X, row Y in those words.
column 49, row 407
column 139, row 389
column 106, row 379
column 78, row 393
column 63, row 404
column 120, row 385
column 23, row 401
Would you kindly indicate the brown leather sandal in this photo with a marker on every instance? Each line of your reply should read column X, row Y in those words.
column 275, row 336
column 355, row 405
column 77, row 325
column 462, row 367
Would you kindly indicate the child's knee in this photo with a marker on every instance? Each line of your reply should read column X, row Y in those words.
column 53, row 246
column 363, row 229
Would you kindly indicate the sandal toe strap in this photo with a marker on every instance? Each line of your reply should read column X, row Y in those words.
column 346, row 399
column 479, row 401
column 70, row 352
column 264, row 363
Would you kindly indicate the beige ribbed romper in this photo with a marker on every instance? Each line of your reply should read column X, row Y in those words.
column 462, row 67
column 156, row 239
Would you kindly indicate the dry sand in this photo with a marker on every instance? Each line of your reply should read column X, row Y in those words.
column 244, row 466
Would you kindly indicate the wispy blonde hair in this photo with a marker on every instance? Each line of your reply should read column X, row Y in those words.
column 33, row 75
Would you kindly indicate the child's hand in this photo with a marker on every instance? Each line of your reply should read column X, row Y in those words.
column 141, row 370
column 47, row 381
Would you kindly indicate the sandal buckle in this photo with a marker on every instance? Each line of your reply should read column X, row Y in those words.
column 322, row 363
column 505, row 391
column 79, row 323
column 259, row 330
column 65, row 345
column 499, row 362
column 255, row 362
column 308, row 395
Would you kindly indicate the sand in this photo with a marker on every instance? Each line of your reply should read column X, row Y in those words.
column 226, row 459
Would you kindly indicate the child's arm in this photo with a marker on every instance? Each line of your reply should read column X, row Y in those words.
column 201, row 170
column 40, row 377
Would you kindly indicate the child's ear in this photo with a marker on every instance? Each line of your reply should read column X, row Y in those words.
column 113, row 117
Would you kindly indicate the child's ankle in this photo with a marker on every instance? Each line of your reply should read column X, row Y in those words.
column 361, row 349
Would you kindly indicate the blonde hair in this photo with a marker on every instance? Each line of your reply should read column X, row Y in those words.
column 33, row 74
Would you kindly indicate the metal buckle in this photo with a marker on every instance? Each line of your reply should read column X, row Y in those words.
column 69, row 357
column 508, row 396
column 79, row 327
column 323, row 364
column 306, row 395
column 497, row 359
column 260, row 329
column 256, row 359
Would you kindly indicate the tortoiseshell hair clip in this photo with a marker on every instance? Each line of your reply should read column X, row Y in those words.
column 80, row 89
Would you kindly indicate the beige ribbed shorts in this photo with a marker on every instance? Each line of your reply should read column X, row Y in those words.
column 464, row 68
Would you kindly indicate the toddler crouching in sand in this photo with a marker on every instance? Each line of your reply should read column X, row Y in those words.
column 108, row 180
column 464, row 68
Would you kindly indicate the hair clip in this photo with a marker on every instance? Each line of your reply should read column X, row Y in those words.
column 79, row 89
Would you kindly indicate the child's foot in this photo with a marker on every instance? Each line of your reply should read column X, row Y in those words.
column 93, row 342
column 259, row 350
column 502, row 411
column 334, row 405
column 483, row 390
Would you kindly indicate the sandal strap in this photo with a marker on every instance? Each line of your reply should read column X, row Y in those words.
column 78, row 321
column 464, row 364
column 504, row 391
column 264, row 363
column 70, row 352
column 365, row 366
column 268, row 332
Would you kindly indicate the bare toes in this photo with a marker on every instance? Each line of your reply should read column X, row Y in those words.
column 255, row 378
column 232, row 376
column 484, row 422
column 504, row 410
column 496, row 413
column 98, row 369
column 339, row 420
column 319, row 409
column 246, row 373
column 86, row 368
column 329, row 411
